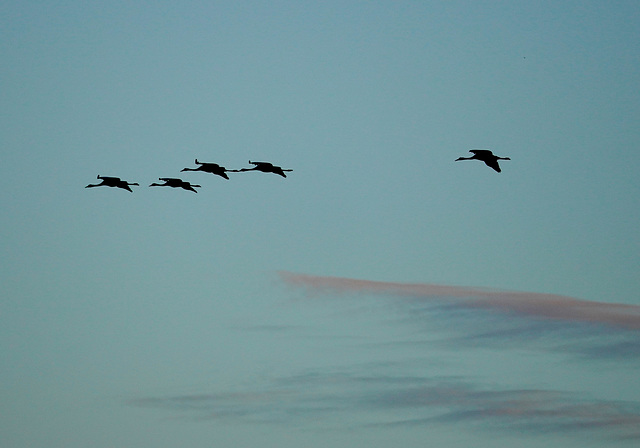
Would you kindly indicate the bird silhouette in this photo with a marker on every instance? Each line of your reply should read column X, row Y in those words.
column 486, row 156
column 113, row 182
column 212, row 168
column 265, row 167
column 175, row 183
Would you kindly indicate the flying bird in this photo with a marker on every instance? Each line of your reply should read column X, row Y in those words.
column 175, row 183
column 265, row 167
column 486, row 156
column 212, row 168
column 113, row 182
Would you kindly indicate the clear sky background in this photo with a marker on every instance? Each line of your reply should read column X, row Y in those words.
column 232, row 317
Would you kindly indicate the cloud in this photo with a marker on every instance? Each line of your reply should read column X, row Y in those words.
column 542, row 306
column 384, row 387
column 525, row 410
column 241, row 405
column 483, row 317
column 352, row 401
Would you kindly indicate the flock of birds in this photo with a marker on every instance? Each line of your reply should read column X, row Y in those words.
column 484, row 155
column 173, row 182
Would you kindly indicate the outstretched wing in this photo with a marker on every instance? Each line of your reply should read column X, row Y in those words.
column 493, row 163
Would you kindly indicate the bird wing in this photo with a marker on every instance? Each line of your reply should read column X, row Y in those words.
column 493, row 163
column 214, row 168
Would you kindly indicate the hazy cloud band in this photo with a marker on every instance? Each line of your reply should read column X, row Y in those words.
column 543, row 306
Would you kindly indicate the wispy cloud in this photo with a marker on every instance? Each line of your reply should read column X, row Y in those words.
column 350, row 401
column 240, row 405
column 477, row 317
column 384, row 388
column 543, row 306
column 529, row 410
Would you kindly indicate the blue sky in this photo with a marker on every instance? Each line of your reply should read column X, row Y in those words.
column 265, row 311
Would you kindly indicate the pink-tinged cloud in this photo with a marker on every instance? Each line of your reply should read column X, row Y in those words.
column 543, row 306
column 370, row 400
column 539, row 411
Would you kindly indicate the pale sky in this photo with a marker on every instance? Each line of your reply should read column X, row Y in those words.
column 379, row 295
